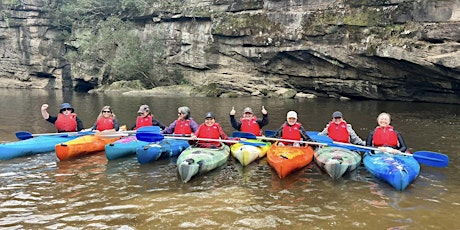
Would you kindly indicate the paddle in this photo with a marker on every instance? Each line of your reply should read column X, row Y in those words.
column 252, row 136
column 429, row 158
column 155, row 137
column 144, row 129
column 24, row 135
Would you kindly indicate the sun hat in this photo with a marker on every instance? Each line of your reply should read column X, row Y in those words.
column 143, row 109
column 66, row 106
column 292, row 114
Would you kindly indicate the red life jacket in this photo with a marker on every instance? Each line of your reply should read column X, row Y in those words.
column 211, row 132
column 385, row 137
column 338, row 132
column 250, row 126
column 104, row 123
column 291, row 132
column 143, row 121
column 66, row 123
column 182, row 127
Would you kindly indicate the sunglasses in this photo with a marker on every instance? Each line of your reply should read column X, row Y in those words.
column 107, row 111
column 67, row 109
column 337, row 117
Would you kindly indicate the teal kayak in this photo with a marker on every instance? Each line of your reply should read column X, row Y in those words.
column 124, row 147
column 397, row 170
column 36, row 145
column 194, row 161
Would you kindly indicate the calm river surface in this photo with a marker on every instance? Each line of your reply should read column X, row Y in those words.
column 40, row 192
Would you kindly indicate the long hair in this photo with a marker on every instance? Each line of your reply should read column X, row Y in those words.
column 105, row 108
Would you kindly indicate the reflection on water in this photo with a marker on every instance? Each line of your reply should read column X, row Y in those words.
column 39, row 192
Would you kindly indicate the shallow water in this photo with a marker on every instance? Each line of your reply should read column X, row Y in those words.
column 40, row 192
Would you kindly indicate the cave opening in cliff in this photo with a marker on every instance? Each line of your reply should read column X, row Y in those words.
column 83, row 86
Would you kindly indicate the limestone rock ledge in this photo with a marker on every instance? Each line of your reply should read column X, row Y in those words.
column 386, row 50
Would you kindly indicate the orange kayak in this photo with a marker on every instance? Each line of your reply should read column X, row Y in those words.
column 82, row 145
column 286, row 159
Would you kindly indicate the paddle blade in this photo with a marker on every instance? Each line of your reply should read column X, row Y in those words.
column 149, row 137
column 320, row 138
column 244, row 135
column 149, row 129
column 270, row 133
column 256, row 144
column 432, row 159
column 23, row 135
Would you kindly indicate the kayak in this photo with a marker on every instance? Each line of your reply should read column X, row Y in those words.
column 337, row 161
column 164, row 149
column 194, row 161
column 82, row 146
column 286, row 159
column 397, row 170
column 36, row 145
column 124, row 147
column 246, row 154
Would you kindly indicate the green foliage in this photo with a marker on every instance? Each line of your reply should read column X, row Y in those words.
column 114, row 43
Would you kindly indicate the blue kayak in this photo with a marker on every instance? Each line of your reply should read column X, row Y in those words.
column 124, row 147
column 397, row 170
column 165, row 149
column 36, row 145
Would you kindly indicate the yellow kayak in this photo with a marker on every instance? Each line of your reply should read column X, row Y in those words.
column 246, row 154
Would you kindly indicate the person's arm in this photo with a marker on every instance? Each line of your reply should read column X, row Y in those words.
column 45, row 113
column 354, row 138
column 155, row 122
column 324, row 132
column 52, row 119
column 193, row 125
column 279, row 132
column 304, row 134
column 170, row 128
column 402, row 145
column 222, row 134
column 79, row 124
column 235, row 124
column 264, row 121
column 369, row 139
column 116, row 124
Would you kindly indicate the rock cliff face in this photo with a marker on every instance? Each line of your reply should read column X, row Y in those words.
column 365, row 49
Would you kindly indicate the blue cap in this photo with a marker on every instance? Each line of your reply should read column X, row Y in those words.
column 66, row 106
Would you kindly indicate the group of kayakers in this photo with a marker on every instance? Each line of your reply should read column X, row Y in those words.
column 383, row 136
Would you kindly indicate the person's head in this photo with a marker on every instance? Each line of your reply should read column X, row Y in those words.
column 384, row 119
column 66, row 108
column 291, row 117
column 144, row 110
column 106, row 111
column 183, row 112
column 247, row 113
column 209, row 119
column 337, row 117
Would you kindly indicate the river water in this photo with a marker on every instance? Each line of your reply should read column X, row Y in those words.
column 40, row 192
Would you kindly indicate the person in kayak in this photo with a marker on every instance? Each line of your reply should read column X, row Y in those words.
column 248, row 122
column 339, row 130
column 184, row 123
column 65, row 121
column 384, row 136
column 106, row 121
column 211, row 130
column 291, row 130
column 146, row 118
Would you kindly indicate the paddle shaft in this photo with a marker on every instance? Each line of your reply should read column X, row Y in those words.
column 287, row 140
column 201, row 139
